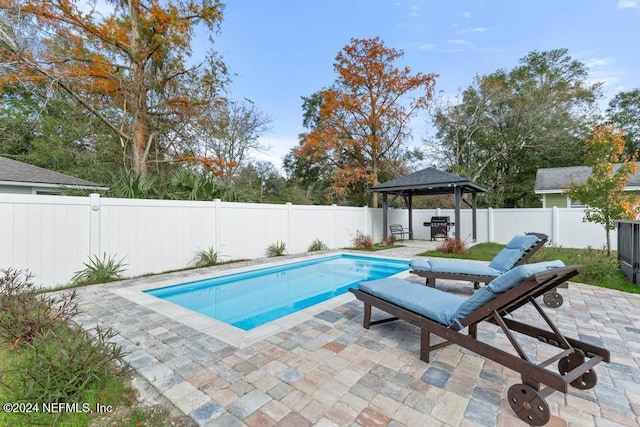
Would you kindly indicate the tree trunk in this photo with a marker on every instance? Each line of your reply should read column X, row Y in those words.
column 140, row 114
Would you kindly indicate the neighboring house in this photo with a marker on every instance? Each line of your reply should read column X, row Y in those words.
column 21, row 178
column 552, row 182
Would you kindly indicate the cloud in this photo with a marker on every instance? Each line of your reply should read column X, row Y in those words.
column 479, row 29
column 427, row 46
column 628, row 4
column 459, row 42
column 415, row 11
column 604, row 70
column 598, row 62
column 468, row 14
column 277, row 148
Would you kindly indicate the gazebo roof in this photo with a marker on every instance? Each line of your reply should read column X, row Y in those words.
column 428, row 181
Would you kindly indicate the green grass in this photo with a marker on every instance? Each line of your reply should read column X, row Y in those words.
column 587, row 257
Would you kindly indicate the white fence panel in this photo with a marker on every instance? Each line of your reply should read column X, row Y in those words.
column 509, row 222
column 154, row 235
column 52, row 236
column 308, row 223
column 348, row 221
column 47, row 235
column 246, row 229
column 573, row 232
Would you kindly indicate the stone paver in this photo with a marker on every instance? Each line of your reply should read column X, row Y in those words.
column 329, row 371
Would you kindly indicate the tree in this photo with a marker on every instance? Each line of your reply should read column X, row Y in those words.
column 508, row 124
column 129, row 68
column 624, row 112
column 362, row 123
column 229, row 133
column 47, row 129
column 603, row 192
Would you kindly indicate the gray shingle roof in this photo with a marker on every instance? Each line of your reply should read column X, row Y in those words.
column 549, row 179
column 15, row 171
column 426, row 180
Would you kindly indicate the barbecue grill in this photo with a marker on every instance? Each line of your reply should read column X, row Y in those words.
column 440, row 226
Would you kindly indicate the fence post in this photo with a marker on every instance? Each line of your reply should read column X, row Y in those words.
column 217, row 208
column 289, row 225
column 94, row 224
column 555, row 226
column 333, row 226
column 365, row 212
column 490, row 225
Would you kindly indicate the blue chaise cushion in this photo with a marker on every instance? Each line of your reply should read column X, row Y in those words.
column 501, row 284
column 449, row 266
column 430, row 302
column 444, row 307
column 507, row 258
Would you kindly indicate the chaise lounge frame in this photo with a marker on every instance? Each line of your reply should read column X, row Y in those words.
column 551, row 298
column 576, row 359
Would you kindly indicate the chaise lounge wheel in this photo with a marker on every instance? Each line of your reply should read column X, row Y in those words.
column 586, row 381
column 528, row 405
column 552, row 299
column 568, row 363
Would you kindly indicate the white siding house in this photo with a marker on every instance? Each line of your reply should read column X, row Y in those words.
column 21, row 178
column 552, row 182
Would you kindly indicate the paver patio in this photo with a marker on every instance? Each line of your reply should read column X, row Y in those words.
column 329, row 371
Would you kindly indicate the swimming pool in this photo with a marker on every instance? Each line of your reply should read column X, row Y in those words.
column 250, row 299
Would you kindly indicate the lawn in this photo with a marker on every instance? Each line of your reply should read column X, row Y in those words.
column 598, row 268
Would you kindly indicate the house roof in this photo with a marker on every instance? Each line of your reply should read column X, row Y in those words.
column 13, row 171
column 558, row 179
column 427, row 181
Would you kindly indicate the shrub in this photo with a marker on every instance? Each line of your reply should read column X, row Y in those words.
column 317, row 245
column 61, row 364
column 52, row 360
column 277, row 249
column 99, row 270
column 597, row 268
column 205, row 257
column 390, row 240
column 452, row 246
column 25, row 313
column 362, row 241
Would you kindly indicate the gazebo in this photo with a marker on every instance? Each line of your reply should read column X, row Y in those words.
column 429, row 181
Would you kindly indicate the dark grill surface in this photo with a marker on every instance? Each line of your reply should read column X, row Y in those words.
column 440, row 226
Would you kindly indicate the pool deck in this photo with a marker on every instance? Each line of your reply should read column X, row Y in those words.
column 327, row 370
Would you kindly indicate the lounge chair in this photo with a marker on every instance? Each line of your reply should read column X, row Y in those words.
column 517, row 252
column 446, row 315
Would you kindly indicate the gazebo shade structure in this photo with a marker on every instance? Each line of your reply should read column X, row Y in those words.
column 429, row 181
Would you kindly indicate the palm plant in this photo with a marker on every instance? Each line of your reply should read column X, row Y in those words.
column 317, row 245
column 99, row 270
column 277, row 249
column 205, row 257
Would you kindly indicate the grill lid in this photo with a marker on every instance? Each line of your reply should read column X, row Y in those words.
column 439, row 219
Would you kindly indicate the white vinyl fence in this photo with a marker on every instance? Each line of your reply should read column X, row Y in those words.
column 52, row 236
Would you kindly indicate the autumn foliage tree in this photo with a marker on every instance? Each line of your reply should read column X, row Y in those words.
column 362, row 123
column 129, row 66
column 604, row 190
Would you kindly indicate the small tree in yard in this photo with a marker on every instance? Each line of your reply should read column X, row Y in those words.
column 603, row 193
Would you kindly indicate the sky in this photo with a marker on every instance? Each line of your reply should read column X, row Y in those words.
column 281, row 50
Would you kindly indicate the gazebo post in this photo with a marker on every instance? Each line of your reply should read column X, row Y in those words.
column 409, row 202
column 385, row 213
column 474, row 206
column 457, row 196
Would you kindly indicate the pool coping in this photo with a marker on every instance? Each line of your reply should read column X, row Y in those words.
column 227, row 333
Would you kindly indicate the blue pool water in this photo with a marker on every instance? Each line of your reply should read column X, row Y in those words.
column 253, row 298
